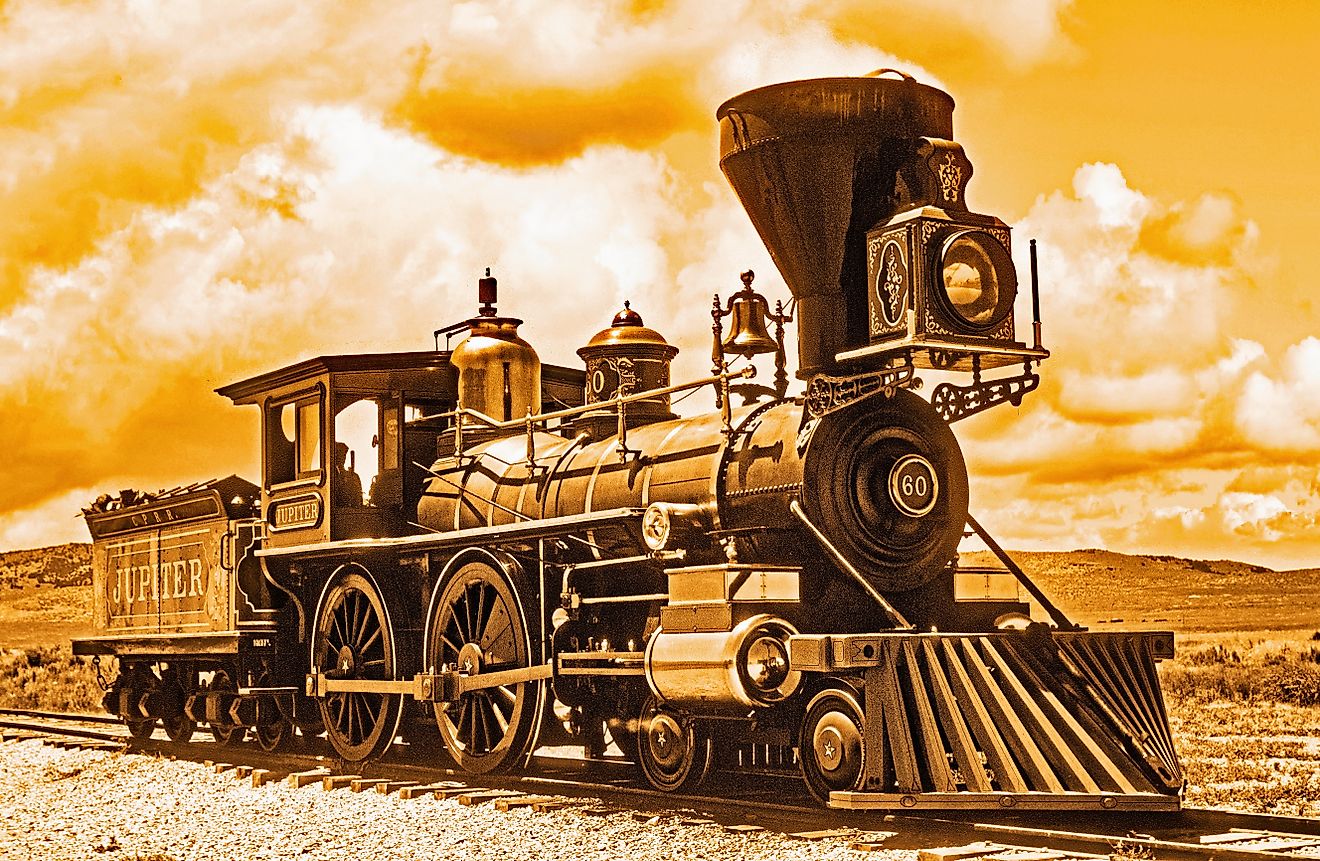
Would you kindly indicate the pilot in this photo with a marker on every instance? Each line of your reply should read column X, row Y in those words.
column 348, row 487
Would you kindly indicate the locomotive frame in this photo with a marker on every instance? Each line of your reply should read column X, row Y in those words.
column 548, row 555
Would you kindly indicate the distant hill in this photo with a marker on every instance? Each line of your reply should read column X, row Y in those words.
column 62, row 565
column 1102, row 589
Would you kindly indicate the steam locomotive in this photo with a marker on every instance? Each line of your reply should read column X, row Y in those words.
column 484, row 554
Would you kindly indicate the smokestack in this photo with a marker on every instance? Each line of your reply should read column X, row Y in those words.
column 816, row 164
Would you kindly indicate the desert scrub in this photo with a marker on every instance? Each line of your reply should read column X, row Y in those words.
column 50, row 678
column 1218, row 673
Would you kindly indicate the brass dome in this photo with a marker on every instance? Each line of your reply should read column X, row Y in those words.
column 627, row 331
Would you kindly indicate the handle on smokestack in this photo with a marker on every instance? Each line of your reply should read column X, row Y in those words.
column 1035, row 295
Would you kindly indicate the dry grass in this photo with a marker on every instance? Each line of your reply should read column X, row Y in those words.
column 1245, row 713
column 50, row 679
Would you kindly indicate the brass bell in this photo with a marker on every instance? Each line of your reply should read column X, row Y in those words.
column 748, row 335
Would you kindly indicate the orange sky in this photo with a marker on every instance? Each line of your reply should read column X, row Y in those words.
column 193, row 193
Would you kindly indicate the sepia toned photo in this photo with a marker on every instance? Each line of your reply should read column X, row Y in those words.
column 499, row 430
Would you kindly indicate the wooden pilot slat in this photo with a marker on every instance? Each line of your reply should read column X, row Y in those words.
column 907, row 774
column 955, row 728
column 876, row 762
column 1015, row 733
column 1123, row 774
column 982, row 725
column 1052, row 743
column 937, row 760
column 1150, row 730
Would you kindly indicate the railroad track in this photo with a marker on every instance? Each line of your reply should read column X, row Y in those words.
column 604, row 786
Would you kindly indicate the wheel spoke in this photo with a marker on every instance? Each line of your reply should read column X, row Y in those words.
column 507, row 692
column 500, row 719
column 362, row 650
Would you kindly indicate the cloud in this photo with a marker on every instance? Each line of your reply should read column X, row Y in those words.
column 1150, row 400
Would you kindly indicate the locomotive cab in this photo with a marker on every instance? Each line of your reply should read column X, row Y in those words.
column 346, row 440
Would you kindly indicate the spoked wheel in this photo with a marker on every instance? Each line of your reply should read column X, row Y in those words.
column 354, row 641
column 832, row 749
column 476, row 626
column 225, row 733
column 674, row 752
column 181, row 727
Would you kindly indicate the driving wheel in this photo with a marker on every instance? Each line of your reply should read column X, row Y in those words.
column 477, row 627
column 353, row 640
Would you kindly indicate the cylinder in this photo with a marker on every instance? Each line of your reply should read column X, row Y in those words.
column 719, row 671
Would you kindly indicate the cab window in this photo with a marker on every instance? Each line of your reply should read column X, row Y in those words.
column 293, row 440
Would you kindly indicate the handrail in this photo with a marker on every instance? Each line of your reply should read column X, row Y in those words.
column 746, row 373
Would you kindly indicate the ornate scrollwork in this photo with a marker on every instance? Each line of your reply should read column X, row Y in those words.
column 826, row 394
column 958, row 402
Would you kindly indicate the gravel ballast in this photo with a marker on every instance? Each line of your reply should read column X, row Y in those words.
column 83, row 804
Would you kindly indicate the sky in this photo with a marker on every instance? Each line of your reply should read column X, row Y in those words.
column 193, row 193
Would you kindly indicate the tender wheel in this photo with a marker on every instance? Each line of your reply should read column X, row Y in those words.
column 226, row 734
column 832, row 748
column 675, row 754
column 274, row 736
column 353, row 640
column 179, row 729
column 141, row 729
column 141, row 680
column 477, row 626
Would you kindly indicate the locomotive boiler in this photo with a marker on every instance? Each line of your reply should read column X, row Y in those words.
column 484, row 553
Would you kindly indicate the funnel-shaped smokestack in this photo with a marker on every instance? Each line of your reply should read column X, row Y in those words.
column 816, row 163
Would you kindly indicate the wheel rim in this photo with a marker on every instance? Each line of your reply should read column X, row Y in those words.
column 354, row 641
column 673, row 752
column 273, row 736
column 832, row 748
column 225, row 733
column 477, row 626
column 179, row 729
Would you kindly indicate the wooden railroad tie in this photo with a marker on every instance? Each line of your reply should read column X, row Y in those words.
column 263, row 776
column 338, row 781
column 825, row 834
column 470, row 799
column 743, row 829
column 409, row 792
column 221, row 767
column 504, row 805
column 299, row 779
column 386, row 787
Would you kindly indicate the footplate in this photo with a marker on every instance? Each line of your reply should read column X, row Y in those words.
column 1023, row 719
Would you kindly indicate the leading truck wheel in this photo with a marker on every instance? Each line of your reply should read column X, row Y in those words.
column 832, row 748
column 672, row 749
column 354, row 640
column 477, row 626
